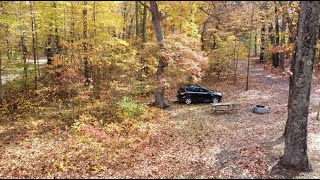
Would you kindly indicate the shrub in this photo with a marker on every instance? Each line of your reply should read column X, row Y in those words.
column 128, row 108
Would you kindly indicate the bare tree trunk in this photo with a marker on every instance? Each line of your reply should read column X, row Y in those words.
column 276, row 65
column 137, row 23
column 271, row 36
column 85, row 45
column 159, row 95
column 319, row 58
column 283, row 39
column 263, row 36
column 1, row 88
column 23, row 49
column 56, row 46
column 235, row 62
column 255, row 44
column 204, row 27
column 8, row 44
column 37, row 46
column 247, row 82
column 50, row 51
column 94, row 18
column 34, row 44
column 125, row 15
column 72, row 33
column 295, row 152
column 64, row 21
column 292, row 39
column 96, row 72
column 144, row 25
column 144, row 68
column 263, row 43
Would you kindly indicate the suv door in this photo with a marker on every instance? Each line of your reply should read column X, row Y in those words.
column 194, row 94
column 205, row 95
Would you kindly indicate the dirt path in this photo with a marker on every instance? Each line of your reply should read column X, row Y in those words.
column 10, row 77
column 273, row 80
column 232, row 145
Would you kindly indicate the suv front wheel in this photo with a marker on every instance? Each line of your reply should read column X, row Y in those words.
column 215, row 100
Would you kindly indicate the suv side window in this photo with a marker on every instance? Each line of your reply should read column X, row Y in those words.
column 202, row 90
column 190, row 89
column 198, row 90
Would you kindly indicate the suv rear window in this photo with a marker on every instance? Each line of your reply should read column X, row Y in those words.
column 181, row 90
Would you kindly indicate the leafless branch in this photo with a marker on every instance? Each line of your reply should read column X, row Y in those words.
column 145, row 5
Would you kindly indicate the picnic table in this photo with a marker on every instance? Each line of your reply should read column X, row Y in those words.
column 224, row 107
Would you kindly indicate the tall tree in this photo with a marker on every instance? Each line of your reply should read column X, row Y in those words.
column 1, row 88
column 271, row 36
column 144, row 68
column 33, row 24
column 249, row 48
column 263, row 33
column 23, row 45
column 283, row 39
column 159, row 95
column 85, row 43
column 255, row 43
column 144, row 25
column 295, row 152
column 137, row 22
column 277, row 37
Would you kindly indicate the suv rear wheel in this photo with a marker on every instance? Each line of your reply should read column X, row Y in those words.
column 188, row 101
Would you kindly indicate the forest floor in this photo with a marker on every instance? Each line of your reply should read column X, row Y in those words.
column 241, row 144
column 189, row 141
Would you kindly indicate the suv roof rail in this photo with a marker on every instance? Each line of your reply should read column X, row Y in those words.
column 189, row 84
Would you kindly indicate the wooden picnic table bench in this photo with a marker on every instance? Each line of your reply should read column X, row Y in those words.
column 224, row 107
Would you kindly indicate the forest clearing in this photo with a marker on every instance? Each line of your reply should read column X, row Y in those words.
column 94, row 89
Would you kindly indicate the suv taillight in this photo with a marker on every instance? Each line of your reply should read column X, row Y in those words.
column 182, row 93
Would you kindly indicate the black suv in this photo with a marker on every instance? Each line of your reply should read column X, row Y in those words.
column 190, row 93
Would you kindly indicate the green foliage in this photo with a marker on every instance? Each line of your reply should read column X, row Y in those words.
column 130, row 108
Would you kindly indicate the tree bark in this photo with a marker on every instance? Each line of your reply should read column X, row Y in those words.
column 249, row 48
column 34, row 43
column 96, row 72
column 283, row 39
column 94, row 19
column 276, row 65
column 263, row 37
column 137, row 23
column 1, row 88
column 50, row 51
column 85, row 45
column 235, row 62
column 159, row 95
column 295, row 152
column 144, row 68
column 56, row 46
column 144, row 25
column 255, row 44
column 23, row 48
column 72, row 33
column 262, row 47
column 8, row 44
column 271, row 36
